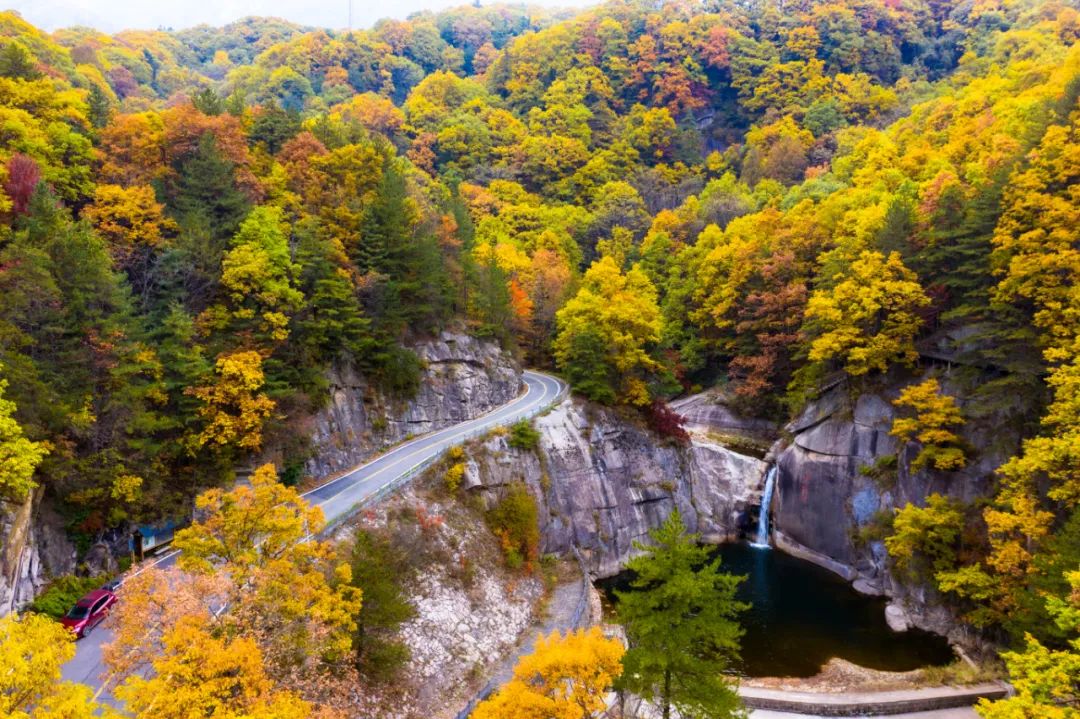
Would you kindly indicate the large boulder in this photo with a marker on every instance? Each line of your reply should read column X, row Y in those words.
column 710, row 412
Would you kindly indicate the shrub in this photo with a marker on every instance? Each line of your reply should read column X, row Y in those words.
column 514, row 522
column 524, row 436
column 666, row 422
column 292, row 473
column 882, row 471
column 62, row 593
column 453, row 477
column 379, row 569
column 397, row 371
column 926, row 535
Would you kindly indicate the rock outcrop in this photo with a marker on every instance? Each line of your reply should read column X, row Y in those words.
column 463, row 378
column 34, row 550
column 827, row 495
column 709, row 413
column 469, row 610
column 602, row 480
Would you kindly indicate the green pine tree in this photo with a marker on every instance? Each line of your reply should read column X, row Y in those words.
column 587, row 368
column 207, row 195
column 273, row 126
column 207, row 101
column 681, row 618
column 94, row 383
column 899, row 226
column 379, row 568
column 384, row 229
column 98, row 106
column 414, row 290
column 331, row 324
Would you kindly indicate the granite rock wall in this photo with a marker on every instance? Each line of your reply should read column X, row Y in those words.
column 463, row 378
column 33, row 549
column 603, row 480
column 826, row 498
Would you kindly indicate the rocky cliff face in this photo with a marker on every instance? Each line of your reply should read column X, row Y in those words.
column 602, row 481
column 34, row 549
column 463, row 378
column 825, row 498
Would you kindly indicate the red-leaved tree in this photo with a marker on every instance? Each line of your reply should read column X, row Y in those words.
column 23, row 176
column 666, row 422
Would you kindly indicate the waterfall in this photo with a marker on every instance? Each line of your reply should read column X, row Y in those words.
column 762, row 538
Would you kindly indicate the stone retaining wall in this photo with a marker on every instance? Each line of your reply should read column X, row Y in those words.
column 870, row 703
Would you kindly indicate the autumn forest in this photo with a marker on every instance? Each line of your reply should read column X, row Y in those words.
column 647, row 198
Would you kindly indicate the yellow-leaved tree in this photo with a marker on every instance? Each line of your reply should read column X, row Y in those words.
column 19, row 456
column 260, row 277
column 233, row 408
column 198, row 673
column 869, row 318
column 256, row 586
column 1047, row 681
column 566, row 677
column 1037, row 238
column 130, row 220
column 286, row 589
column 935, row 414
column 1036, row 254
column 605, row 334
column 154, row 602
column 33, row 647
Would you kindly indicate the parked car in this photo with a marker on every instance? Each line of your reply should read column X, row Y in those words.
column 88, row 612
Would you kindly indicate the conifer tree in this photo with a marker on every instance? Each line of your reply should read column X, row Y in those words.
column 207, row 195
column 681, row 617
column 331, row 323
column 274, row 126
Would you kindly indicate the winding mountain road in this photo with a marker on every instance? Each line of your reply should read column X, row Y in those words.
column 340, row 497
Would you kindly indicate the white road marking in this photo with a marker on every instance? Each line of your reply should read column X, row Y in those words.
column 86, row 666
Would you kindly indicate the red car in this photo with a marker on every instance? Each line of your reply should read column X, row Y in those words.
column 88, row 612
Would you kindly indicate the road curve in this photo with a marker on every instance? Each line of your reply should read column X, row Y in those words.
column 339, row 497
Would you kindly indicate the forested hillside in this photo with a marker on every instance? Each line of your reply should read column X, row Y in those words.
column 649, row 197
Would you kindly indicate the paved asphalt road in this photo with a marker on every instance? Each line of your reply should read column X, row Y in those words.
column 338, row 497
